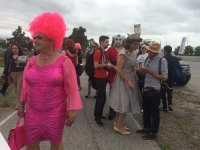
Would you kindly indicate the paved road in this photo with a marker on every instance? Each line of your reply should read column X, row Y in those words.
column 85, row 134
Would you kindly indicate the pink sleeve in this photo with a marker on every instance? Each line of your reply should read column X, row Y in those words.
column 25, row 85
column 70, row 85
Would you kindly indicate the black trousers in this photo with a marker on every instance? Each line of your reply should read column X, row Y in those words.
column 169, row 96
column 101, row 97
column 5, row 85
column 151, row 113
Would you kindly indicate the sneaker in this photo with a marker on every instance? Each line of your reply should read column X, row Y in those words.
column 170, row 108
column 143, row 131
column 163, row 109
column 99, row 123
column 149, row 137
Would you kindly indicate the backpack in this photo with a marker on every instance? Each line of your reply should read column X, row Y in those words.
column 177, row 74
column 89, row 65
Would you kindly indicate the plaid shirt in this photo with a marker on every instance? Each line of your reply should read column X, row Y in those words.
column 153, row 65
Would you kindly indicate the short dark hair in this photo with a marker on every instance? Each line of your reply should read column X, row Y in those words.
column 168, row 49
column 103, row 38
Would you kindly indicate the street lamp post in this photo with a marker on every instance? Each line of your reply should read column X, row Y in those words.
column 164, row 37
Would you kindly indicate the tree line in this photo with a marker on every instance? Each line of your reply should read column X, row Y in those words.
column 78, row 36
column 19, row 37
column 189, row 51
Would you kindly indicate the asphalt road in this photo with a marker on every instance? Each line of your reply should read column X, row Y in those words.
column 85, row 134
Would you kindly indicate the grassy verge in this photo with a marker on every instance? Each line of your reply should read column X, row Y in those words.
column 9, row 99
column 1, row 59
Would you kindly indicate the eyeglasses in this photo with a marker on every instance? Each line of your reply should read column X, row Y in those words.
column 39, row 37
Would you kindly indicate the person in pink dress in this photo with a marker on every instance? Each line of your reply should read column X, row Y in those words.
column 50, row 91
column 118, row 42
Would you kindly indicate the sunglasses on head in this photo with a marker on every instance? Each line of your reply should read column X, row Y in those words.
column 39, row 37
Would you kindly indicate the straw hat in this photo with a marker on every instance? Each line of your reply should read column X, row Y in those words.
column 154, row 47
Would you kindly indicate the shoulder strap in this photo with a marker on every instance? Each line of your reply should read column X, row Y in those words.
column 146, row 60
column 159, row 66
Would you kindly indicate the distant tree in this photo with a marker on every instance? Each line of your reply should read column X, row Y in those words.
column 20, row 39
column 188, row 50
column 176, row 50
column 197, row 51
column 78, row 36
column 3, row 45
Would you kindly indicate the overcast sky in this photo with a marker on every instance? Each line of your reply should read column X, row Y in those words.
column 160, row 20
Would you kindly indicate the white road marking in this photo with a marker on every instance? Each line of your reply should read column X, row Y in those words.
column 7, row 118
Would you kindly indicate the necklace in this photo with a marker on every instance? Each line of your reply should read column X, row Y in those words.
column 46, row 57
column 128, row 53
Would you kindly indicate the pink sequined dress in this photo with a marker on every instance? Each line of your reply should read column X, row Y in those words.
column 49, row 91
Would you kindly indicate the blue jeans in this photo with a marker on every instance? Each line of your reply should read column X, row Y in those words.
column 151, row 113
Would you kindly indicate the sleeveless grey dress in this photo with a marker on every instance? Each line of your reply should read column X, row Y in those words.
column 122, row 98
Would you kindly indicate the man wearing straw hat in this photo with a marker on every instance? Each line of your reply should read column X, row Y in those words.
column 155, row 70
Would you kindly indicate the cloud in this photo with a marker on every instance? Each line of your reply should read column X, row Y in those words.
column 170, row 19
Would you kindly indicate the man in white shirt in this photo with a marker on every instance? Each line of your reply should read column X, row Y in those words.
column 141, row 58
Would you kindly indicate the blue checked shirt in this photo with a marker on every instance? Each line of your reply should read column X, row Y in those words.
column 153, row 64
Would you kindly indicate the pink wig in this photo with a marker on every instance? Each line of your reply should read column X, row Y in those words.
column 51, row 25
column 78, row 46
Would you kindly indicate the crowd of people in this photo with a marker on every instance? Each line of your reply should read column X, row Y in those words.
column 48, row 84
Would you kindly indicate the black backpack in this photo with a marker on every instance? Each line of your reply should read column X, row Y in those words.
column 89, row 65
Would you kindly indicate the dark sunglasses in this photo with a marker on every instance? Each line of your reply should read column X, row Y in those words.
column 39, row 37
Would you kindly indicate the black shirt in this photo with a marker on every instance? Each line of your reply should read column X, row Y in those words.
column 6, row 56
column 171, row 60
column 79, row 54
column 13, row 66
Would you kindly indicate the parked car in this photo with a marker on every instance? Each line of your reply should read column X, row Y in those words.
column 185, row 67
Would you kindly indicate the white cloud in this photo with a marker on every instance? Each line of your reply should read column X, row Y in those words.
column 171, row 19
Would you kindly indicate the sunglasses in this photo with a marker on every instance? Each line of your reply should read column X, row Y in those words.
column 39, row 37
column 94, row 46
column 143, row 48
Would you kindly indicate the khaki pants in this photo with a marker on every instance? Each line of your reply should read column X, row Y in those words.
column 17, row 78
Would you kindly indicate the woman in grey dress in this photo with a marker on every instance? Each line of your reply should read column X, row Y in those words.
column 125, row 96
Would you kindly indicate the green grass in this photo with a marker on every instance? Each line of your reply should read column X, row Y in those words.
column 9, row 99
column 165, row 146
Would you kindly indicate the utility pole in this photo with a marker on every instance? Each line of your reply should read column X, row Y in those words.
column 187, row 39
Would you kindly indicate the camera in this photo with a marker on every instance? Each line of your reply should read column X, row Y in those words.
column 165, row 86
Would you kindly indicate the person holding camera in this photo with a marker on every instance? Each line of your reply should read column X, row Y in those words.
column 171, row 60
column 155, row 70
